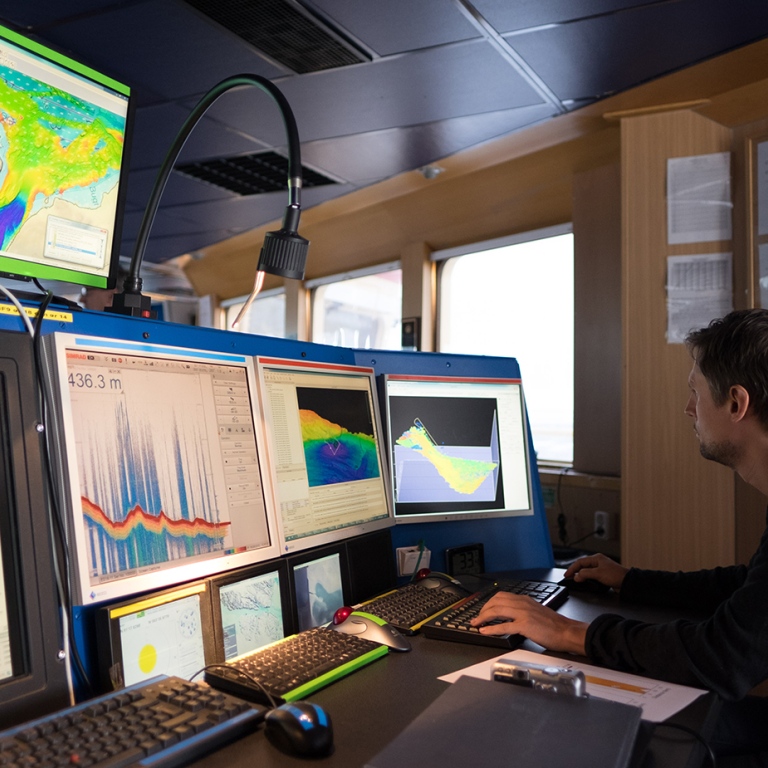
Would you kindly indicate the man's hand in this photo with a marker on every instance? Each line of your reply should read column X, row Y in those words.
column 526, row 617
column 600, row 568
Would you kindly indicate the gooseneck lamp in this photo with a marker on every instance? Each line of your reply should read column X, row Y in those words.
column 283, row 253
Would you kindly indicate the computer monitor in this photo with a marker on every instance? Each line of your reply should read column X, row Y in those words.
column 320, row 584
column 33, row 678
column 160, row 464
column 168, row 632
column 325, row 451
column 251, row 608
column 458, row 447
column 63, row 150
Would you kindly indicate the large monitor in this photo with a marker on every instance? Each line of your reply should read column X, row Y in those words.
column 169, row 633
column 33, row 679
column 63, row 138
column 160, row 464
column 325, row 451
column 458, row 447
column 251, row 608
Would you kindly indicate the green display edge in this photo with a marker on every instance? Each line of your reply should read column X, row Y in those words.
column 13, row 266
column 335, row 674
column 65, row 61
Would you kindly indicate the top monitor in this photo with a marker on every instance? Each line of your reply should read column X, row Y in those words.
column 160, row 462
column 458, row 447
column 62, row 155
column 325, row 452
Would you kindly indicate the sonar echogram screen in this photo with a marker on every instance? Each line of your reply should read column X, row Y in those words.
column 458, row 447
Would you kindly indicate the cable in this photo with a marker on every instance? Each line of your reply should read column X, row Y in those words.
column 562, row 531
column 596, row 532
column 22, row 313
column 696, row 735
column 240, row 672
column 60, row 546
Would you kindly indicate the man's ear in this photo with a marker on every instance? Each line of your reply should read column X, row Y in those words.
column 738, row 399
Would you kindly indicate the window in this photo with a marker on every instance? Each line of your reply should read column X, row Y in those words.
column 360, row 309
column 514, row 298
column 265, row 317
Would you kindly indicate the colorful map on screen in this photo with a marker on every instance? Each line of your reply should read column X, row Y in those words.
column 59, row 155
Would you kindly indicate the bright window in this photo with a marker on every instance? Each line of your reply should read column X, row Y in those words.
column 360, row 310
column 516, row 300
column 266, row 316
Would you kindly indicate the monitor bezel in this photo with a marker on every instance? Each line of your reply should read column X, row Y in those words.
column 15, row 267
column 445, row 516
column 327, row 537
column 84, row 593
column 109, row 646
column 319, row 553
column 216, row 583
column 39, row 683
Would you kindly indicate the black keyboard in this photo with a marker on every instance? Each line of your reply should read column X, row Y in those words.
column 295, row 666
column 409, row 607
column 453, row 624
column 165, row 721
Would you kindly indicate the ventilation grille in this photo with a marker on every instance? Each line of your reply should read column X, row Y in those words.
column 282, row 32
column 250, row 174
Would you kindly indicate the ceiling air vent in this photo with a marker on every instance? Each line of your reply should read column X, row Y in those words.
column 285, row 32
column 250, row 174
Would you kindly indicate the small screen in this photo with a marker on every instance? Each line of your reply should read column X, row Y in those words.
column 162, row 639
column 251, row 613
column 62, row 139
column 6, row 666
column 319, row 591
column 458, row 448
column 163, row 465
column 326, row 458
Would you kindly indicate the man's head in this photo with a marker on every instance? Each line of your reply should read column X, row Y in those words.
column 734, row 351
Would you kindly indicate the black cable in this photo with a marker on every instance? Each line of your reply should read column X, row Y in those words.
column 59, row 530
column 240, row 672
column 596, row 532
column 696, row 735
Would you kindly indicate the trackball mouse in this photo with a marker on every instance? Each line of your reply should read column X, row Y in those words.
column 370, row 627
column 300, row 728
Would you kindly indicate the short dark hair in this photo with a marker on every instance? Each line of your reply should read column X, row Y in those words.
column 734, row 350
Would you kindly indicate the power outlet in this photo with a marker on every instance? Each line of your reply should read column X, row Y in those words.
column 603, row 525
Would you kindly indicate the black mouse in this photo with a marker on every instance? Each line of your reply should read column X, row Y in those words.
column 300, row 728
column 588, row 585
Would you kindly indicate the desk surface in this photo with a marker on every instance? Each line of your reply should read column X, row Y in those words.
column 373, row 705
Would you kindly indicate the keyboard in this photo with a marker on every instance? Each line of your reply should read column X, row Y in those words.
column 165, row 721
column 412, row 605
column 295, row 666
column 453, row 624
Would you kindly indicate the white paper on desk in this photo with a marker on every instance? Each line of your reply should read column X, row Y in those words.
column 657, row 699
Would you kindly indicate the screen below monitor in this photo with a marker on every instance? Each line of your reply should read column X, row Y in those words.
column 168, row 633
column 252, row 609
column 62, row 153
column 161, row 466
column 318, row 587
column 325, row 452
column 458, row 447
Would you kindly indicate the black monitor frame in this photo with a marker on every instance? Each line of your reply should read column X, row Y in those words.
column 39, row 681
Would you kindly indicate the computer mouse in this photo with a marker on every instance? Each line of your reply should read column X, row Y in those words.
column 370, row 627
column 439, row 581
column 588, row 585
column 300, row 728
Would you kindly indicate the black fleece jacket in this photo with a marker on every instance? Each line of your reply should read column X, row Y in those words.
column 726, row 652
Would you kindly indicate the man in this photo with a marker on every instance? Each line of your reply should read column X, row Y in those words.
column 726, row 652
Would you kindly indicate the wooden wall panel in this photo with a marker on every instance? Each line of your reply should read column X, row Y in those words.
column 677, row 508
column 597, row 320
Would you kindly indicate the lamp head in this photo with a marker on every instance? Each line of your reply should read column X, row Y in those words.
column 284, row 251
